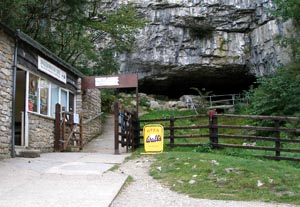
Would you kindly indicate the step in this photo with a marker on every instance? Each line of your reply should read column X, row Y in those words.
column 27, row 153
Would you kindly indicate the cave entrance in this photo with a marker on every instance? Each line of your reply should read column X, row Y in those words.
column 218, row 82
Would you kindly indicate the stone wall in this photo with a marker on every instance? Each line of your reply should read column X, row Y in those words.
column 41, row 132
column 91, row 110
column 6, row 62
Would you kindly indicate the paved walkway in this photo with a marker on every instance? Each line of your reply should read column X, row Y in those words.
column 80, row 179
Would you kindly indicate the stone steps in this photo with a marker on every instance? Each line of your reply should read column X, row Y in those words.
column 27, row 153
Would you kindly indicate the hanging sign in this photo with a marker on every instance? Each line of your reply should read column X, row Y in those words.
column 52, row 70
column 114, row 81
column 153, row 138
column 106, row 81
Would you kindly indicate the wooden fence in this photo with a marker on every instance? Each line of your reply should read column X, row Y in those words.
column 68, row 130
column 274, row 137
column 126, row 128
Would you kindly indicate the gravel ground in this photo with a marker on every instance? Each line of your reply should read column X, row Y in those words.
column 146, row 192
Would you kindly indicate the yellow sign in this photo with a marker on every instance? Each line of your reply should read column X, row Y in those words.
column 153, row 138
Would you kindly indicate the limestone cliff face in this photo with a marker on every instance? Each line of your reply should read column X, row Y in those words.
column 217, row 44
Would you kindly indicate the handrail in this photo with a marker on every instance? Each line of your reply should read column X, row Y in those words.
column 93, row 118
column 233, row 98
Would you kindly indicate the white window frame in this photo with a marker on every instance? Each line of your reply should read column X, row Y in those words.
column 49, row 96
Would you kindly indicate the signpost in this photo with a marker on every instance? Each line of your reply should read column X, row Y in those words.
column 110, row 81
column 113, row 81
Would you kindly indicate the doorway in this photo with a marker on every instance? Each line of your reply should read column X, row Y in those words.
column 20, row 108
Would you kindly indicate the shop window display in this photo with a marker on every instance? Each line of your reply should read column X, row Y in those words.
column 33, row 93
column 44, row 94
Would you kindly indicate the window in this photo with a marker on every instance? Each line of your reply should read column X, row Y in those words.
column 64, row 100
column 71, row 102
column 54, row 98
column 43, row 96
column 33, row 93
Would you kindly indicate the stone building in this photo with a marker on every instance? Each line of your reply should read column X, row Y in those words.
column 32, row 81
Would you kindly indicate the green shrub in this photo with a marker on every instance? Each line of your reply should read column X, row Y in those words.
column 277, row 94
column 107, row 99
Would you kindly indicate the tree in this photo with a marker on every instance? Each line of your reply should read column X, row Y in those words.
column 286, row 10
column 277, row 94
column 81, row 32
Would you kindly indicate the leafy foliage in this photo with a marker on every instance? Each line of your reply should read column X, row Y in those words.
column 82, row 32
column 277, row 94
column 289, row 9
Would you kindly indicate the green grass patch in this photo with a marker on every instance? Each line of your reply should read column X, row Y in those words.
column 218, row 176
column 227, row 174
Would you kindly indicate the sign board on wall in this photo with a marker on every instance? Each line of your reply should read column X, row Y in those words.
column 52, row 70
column 153, row 138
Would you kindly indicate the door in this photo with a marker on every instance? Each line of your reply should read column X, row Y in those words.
column 20, row 107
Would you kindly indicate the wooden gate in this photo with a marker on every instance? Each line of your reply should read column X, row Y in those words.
column 68, row 130
column 127, row 130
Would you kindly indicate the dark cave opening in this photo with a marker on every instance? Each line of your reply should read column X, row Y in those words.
column 177, row 85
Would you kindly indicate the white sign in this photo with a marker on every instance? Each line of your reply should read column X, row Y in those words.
column 52, row 70
column 107, row 81
column 76, row 119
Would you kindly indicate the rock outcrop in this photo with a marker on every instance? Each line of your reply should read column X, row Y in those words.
column 220, row 45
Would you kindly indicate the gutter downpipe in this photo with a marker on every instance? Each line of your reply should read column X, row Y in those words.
column 15, row 62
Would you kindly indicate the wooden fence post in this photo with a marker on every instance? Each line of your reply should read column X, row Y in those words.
column 116, row 123
column 172, row 130
column 80, row 131
column 136, row 129
column 213, row 130
column 277, row 136
column 57, row 128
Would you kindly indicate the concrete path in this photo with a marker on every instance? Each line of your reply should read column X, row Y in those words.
column 73, row 179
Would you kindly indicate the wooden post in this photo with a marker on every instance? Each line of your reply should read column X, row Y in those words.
column 277, row 136
column 57, row 128
column 116, row 123
column 172, row 133
column 63, row 132
column 81, row 132
column 136, row 129
column 213, row 130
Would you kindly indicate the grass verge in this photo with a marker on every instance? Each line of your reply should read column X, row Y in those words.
column 217, row 176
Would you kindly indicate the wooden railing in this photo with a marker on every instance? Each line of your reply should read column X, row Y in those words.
column 274, row 141
column 68, row 130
